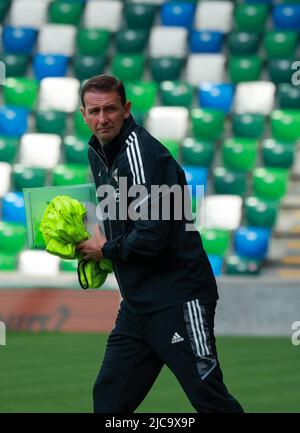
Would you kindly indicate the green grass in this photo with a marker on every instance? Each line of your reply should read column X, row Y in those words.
column 55, row 372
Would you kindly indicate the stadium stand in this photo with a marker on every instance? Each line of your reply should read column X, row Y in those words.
column 213, row 80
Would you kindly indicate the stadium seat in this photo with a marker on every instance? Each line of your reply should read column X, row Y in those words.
column 5, row 171
column 38, row 263
column 128, row 67
column 215, row 241
column 261, row 212
column 50, row 122
column 252, row 242
column 85, row 67
column 243, row 43
column 176, row 93
column 285, row 125
column 221, row 211
column 244, row 68
column 7, row 262
column 288, row 96
column 16, row 65
column 139, row 16
column 173, row 147
column 28, row 13
column 131, row 40
column 13, row 208
column 254, row 97
column 214, row 15
column 59, row 94
column 276, row 154
column 250, row 17
column 12, row 237
column 197, row 152
column 57, row 39
column 205, row 67
column 235, row 265
column 286, row 17
column 196, row 178
column 270, row 183
column 216, row 263
column 281, row 70
column 75, row 149
column 105, row 14
column 166, row 68
column 207, row 123
column 70, row 174
column 239, row 153
column 142, row 95
column 40, row 150
column 45, row 66
column 13, row 120
column 19, row 39
column 92, row 42
column 230, row 182
column 4, row 7
column 177, row 14
column 168, row 42
column 217, row 96
column 280, row 44
column 21, row 92
column 27, row 177
column 65, row 12
column 80, row 127
column 206, row 41
column 168, row 122
column 248, row 125
column 8, row 148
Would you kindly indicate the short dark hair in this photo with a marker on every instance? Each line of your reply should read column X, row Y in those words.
column 104, row 83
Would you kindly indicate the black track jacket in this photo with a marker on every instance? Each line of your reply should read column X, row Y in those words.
column 158, row 264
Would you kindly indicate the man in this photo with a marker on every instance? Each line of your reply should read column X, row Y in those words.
column 166, row 281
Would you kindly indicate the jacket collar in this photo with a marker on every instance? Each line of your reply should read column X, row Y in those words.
column 111, row 149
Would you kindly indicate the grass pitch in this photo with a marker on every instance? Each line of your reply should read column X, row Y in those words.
column 55, row 372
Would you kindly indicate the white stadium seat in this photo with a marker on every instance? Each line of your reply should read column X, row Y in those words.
column 214, row 15
column 40, row 150
column 205, row 67
column 38, row 263
column 104, row 14
column 5, row 171
column 28, row 13
column 254, row 97
column 59, row 94
column 57, row 39
column 221, row 211
column 168, row 122
column 168, row 41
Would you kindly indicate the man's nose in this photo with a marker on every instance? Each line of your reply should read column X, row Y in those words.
column 102, row 118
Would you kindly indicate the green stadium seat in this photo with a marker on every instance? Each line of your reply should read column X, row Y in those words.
column 28, row 177
column 16, row 65
column 142, row 95
column 75, row 149
column 197, row 152
column 70, row 174
column 50, row 121
column 207, row 123
column 261, row 212
column 173, row 147
column 12, row 237
column 244, row 68
column 92, row 42
column 227, row 181
column 243, row 43
column 280, row 44
column 276, row 154
column 128, row 67
column 21, row 92
column 8, row 148
column 235, row 265
column 239, row 153
column 288, row 96
column 285, row 125
column 80, row 127
column 4, row 7
column 131, row 40
column 215, row 241
column 140, row 15
column 280, row 70
column 251, row 17
column 176, row 93
column 7, row 262
column 65, row 12
column 86, row 67
column 270, row 183
column 68, row 265
column 166, row 68
column 248, row 125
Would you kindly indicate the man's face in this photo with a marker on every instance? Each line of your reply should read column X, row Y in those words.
column 104, row 114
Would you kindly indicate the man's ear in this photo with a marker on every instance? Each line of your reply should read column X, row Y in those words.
column 82, row 111
column 127, row 108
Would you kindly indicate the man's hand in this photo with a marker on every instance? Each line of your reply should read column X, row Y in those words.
column 91, row 249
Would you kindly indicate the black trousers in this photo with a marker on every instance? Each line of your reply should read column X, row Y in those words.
column 182, row 337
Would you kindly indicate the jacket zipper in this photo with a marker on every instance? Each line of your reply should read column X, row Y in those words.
column 109, row 224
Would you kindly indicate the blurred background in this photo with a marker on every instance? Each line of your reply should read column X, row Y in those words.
column 218, row 82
